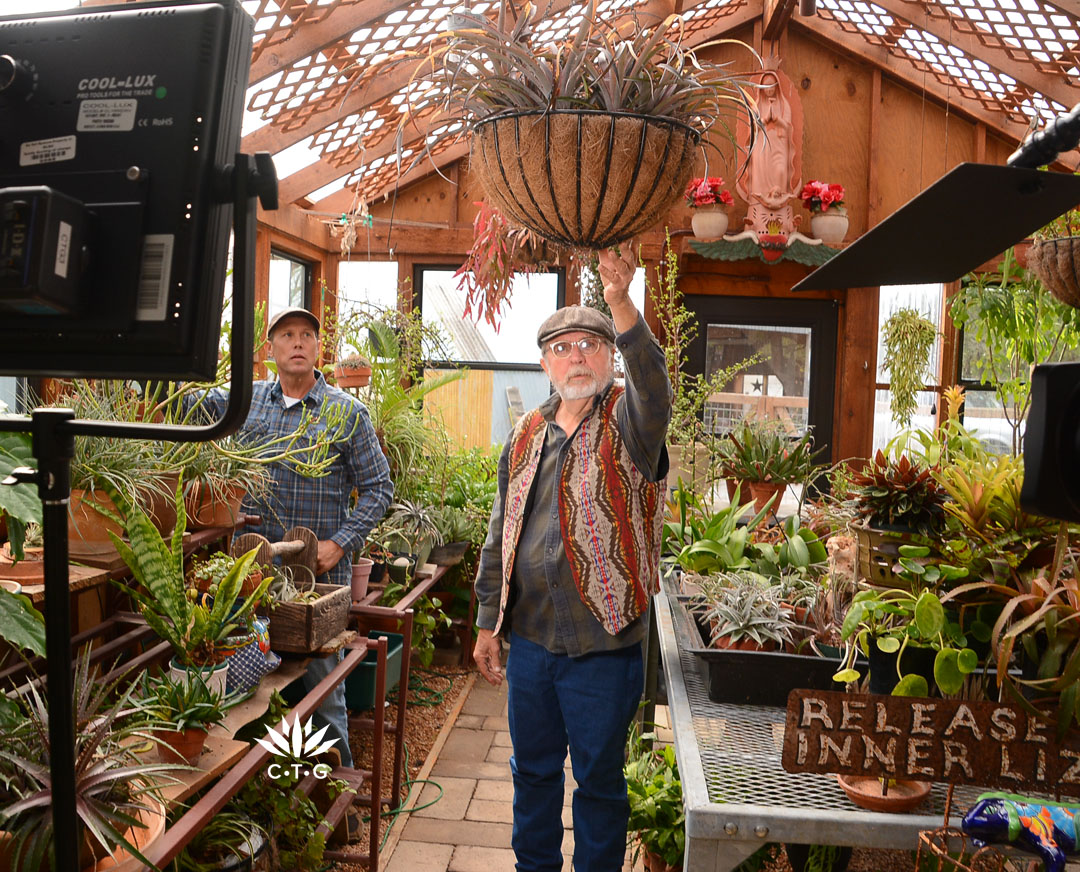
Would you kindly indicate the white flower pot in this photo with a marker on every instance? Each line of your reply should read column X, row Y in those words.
column 830, row 226
column 709, row 222
column 214, row 676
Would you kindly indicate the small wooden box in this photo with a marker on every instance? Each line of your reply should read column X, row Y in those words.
column 302, row 628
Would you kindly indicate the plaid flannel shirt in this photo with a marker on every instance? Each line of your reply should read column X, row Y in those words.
column 319, row 503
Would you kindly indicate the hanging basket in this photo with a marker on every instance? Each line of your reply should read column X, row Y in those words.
column 583, row 178
column 1057, row 264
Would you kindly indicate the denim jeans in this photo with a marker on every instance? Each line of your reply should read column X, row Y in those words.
column 331, row 713
column 585, row 703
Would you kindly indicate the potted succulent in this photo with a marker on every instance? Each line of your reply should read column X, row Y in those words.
column 761, row 454
column 186, row 707
column 543, row 118
column 353, row 371
column 657, row 824
column 710, row 201
column 744, row 612
column 455, row 530
column 194, row 629
column 206, row 574
column 117, row 798
column 828, row 216
column 411, row 530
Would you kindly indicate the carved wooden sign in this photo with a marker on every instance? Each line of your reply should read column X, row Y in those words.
column 984, row 743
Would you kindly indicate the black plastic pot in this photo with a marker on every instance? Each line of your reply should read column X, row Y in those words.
column 883, row 672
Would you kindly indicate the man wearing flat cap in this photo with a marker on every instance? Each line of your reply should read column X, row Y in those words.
column 321, row 504
column 567, row 570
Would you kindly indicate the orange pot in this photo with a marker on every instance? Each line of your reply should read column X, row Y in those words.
column 204, row 511
column 85, row 523
column 181, row 746
column 763, row 491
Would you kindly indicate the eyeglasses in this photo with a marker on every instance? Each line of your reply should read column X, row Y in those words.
column 563, row 348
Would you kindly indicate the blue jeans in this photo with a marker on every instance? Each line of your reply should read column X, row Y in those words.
column 585, row 703
column 331, row 714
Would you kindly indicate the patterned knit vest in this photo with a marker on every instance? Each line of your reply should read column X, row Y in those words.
column 609, row 512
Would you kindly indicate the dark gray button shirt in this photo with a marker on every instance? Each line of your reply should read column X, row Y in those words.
column 545, row 606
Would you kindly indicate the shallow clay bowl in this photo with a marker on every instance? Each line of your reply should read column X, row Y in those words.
column 865, row 792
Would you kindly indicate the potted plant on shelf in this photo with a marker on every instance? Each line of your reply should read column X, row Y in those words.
column 186, row 707
column 657, row 824
column 744, row 612
column 763, row 456
column 353, row 371
column 710, row 201
column 410, row 530
column 194, row 629
column 207, row 573
column 230, row 841
column 117, row 797
column 616, row 110
column 828, row 216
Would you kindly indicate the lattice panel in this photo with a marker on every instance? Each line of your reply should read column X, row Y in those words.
column 381, row 173
column 706, row 15
column 1030, row 32
column 968, row 77
column 320, row 82
column 276, row 20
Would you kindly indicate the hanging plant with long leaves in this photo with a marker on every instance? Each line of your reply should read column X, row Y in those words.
column 907, row 338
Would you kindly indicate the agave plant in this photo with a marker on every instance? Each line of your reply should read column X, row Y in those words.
column 742, row 605
column 192, row 628
column 112, row 785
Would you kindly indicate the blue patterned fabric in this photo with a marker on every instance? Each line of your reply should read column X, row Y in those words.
column 249, row 658
column 318, row 503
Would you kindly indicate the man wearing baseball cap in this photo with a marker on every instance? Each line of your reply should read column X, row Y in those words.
column 567, row 570
column 321, row 504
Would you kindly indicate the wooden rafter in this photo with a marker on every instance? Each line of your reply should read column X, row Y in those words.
column 305, row 41
column 903, row 71
column 777, row 15
column 1049, row 86
column 341, row 201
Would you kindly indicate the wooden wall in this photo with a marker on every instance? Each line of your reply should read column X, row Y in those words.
column 880, row 138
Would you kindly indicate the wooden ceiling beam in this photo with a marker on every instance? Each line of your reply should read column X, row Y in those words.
column 1026, row 74
column 777, row 15
column 307, row 39
column 311, row 178
column 903, row 71
column 342, row 201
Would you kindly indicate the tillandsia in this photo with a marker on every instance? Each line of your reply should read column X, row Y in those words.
column 482, row 65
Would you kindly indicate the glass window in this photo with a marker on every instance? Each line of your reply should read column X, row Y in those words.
column 367, row 282
column 776, row 388
column 290, row 283
column 534, row 297
column 928, row 301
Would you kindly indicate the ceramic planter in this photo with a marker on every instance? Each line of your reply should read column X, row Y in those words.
column 830, row 226
column 361, row 574
column 353, row 377
column 140, row 837
column 205, row 511
column 709, row 222
column 763, row 491
column 215, row 676
column 866, row 792
column 450, row 554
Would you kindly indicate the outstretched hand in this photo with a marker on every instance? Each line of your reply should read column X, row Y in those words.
column 616, row 272
column 488, row 656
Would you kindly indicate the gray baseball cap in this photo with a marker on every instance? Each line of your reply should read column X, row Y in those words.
column 289, row 313
column 584, row 318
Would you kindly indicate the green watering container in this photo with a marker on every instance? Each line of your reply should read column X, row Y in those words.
column 360, row 683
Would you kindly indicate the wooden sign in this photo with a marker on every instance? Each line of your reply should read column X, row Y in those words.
column 984, row 743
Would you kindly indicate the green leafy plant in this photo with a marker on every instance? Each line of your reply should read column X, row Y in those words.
column 906, row 340
column 228, row 837
column 704, row 541
column 184, row 703
column 112, row 786
column 657, row 821
column 761, row 450
column 193, row 629
column 1015, row 324
column 898, row 492
column 19, row 504
column 742, row 605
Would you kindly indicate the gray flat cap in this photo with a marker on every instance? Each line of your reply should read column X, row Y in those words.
column 290, row 312
column 584, row 318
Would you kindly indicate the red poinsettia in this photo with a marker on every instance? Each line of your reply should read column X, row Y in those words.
column 819, row 196
column 707, row 192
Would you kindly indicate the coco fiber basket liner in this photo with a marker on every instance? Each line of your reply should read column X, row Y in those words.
column 580, row 177
column 1057, row 264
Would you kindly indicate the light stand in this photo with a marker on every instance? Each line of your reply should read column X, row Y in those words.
column 53, row 432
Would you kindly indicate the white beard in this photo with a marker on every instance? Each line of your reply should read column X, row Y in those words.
column 582, row 389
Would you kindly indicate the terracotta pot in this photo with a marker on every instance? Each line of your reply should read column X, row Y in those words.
column 204, row 511
column 29, row 570
column 140, row 837
column 361, row 572
column 709, row 222
column 160, row 503
column 85, row 523
column 358, row 377
column 181, row 746
column 744, row 491
column 763, row 491
column 655, row 863
column 727, row 643
column 865, row 792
